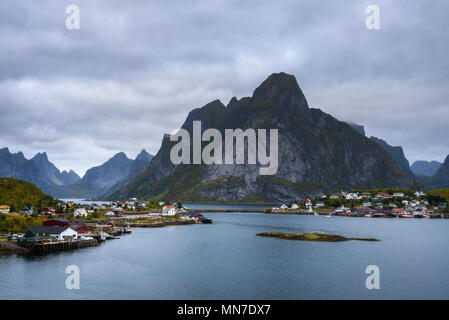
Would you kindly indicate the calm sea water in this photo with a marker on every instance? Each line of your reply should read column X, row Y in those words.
column 226, row 260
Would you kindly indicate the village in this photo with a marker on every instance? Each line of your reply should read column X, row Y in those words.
column 70, row 226
column 389, row 203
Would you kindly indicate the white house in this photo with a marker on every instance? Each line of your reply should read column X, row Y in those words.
column 60, row 233
column 81, row 212
column 352, row 196
column 284, row 206
column 168, row 210
column 109, row 214
column 68, row 233
column 295, row 206
column 419, row 194
column 398, row 195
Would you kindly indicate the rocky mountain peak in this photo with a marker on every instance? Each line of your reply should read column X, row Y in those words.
column 143, row 156
column 282, row 91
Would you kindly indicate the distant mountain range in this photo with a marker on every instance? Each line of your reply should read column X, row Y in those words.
column 317, row 154
column 97, row 181
column 425, row 168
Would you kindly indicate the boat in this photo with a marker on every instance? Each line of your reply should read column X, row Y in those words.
column 207, row 221
column 328, row 216
column 368, row 215
column 315, row 214
column 128, row 229
column 406, row 216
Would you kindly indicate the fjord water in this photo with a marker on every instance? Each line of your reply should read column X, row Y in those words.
column 225, row 260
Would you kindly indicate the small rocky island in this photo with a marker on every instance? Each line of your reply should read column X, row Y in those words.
column 311, row 236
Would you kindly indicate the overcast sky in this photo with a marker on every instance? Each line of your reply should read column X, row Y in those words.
column 134, row 70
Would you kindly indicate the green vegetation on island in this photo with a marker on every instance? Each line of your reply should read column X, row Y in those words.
column 311, row 236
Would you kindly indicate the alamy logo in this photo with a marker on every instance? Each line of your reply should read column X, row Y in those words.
column 373, row 280
column 72, row 22
column 212, row 153
column 372, row 22
column 73, row 280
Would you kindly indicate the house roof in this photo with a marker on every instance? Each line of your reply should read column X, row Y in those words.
column 45, row 229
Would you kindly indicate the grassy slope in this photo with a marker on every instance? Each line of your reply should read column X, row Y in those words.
column 444, row 193
column 19, row 193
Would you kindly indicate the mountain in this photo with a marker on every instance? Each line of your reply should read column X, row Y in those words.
column 37, row 170
column 425, row 168
column 397, row 153
column 138, row 166
column 106, row 178
column 69, row 177
column 317, row 154
column 441, row 178
column 358, row 127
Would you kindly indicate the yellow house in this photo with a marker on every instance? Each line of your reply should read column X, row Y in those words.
column 4, row 209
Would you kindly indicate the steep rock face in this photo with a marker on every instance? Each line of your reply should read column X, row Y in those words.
column 397, row 153
column 425, row 168
column 47, row 170
column 441, row 178
column 317, row 153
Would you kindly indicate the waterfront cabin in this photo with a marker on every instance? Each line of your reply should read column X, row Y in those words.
column 59, row 233
column 108, row 224
column 168, row 210
column 363, row 210
column 81, row 228
column 4, row 209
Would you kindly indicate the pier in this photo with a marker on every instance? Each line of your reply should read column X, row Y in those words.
column 48, row 247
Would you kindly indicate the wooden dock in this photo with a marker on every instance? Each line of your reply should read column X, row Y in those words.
column 48, row 247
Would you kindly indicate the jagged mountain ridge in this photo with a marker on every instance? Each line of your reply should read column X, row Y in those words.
column 97, row 181
column 318, row 154
column 106, row 178
column 37, row 170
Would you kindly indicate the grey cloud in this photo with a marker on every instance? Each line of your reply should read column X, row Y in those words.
column 136, row 68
